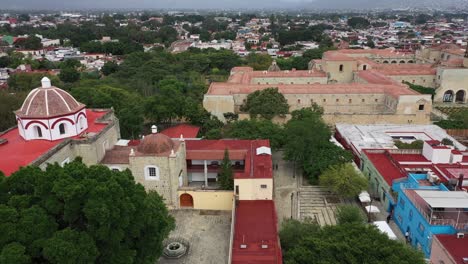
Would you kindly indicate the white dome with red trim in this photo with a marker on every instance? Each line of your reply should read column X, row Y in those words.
column 48, row 101
column 50, row 113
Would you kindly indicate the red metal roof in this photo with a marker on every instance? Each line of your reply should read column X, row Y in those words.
column 188, row 131
column 456, row 247
column 18, row 152
column 384, row 165
column 256, row 226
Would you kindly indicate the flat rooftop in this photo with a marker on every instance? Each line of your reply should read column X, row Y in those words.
column 382, row 136
column 440, row 199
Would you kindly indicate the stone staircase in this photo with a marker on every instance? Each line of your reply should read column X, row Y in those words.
column 318, row 204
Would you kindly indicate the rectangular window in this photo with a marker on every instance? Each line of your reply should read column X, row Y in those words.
column 152, row 172
column 402, row 203
column 421, row 228
column 263, row 186
column 421, row 107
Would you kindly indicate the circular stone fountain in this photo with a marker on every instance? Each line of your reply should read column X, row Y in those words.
column 175, row 249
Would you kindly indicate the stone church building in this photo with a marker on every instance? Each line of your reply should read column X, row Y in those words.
column 355, row 86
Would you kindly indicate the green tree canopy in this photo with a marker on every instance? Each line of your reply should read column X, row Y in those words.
column 308, row 144
column 259, row 62
column 266, row 103
column 256, row 129
column 348, row 214
column 305, row 243
column 344, row 180
column 358, row 22
column 80, row 214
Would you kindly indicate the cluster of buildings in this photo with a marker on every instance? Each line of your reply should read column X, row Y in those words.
column 52, row 127
column 355, row 86
column 425, row 190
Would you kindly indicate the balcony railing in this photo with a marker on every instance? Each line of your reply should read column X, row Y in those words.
column 457, row 218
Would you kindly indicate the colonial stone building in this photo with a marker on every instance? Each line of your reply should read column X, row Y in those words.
column 353, row 86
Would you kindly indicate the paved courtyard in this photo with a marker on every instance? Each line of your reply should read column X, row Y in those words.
column 208, row 234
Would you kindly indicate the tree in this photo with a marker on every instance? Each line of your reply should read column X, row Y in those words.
column 9, row 102
column 306, row 131
column 343, row 180
column 343, row 243
column 25, row 82
column 14, row 253
column 31, row 43
column 226, row 180
column 259, row 62
column 80, row 214
column 266, row 103
column 256, row 129
column 370, row 43
column 348, row 214
column 69, row 75
column 358, row 22
column 109, row 68
column 231, row 117
column 417, row 144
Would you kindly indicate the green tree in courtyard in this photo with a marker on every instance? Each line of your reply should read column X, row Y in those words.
column 259, row 62
column 226, row 180
column 343, row 243
column 266, row 103
column 348, row 214
column 308, row 144
column 256, row 129
column 80, row 214
column 343, row 180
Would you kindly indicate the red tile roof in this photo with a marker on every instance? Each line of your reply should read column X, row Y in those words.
column 456, row 247
column 17, row 152
column 256, row 225
column 188, row 131
column 256, row 166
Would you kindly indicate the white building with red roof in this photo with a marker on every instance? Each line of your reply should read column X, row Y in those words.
column 53, row 127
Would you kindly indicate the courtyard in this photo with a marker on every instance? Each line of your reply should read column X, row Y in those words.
column 207, row 233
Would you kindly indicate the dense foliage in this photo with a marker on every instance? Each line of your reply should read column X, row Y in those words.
column 348, row 214
column 458, row 119
column 344, row 180
column 308, row 144
column 421, row 89
column 358, row 22
column 417, row 144
column 266, row 103
column 354, row 243
column 77, row 214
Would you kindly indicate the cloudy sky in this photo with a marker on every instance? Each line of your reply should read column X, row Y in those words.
column 203, row 4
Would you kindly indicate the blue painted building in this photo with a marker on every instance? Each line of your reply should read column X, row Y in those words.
column 424, row 209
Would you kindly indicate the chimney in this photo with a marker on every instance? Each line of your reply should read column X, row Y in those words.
column 46, row 82
column 154, row 129
column 460, row 181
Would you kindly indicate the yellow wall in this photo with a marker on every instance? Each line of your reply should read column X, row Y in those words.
column 250, row 189
column 210, row 200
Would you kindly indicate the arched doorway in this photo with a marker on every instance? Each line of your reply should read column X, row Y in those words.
column 448, row 96
column 460, row 96
column 186, row 200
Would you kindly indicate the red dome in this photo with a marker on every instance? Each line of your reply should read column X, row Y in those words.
column 47, row 102
column 156, row 144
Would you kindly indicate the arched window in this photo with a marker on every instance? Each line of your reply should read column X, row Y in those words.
column 460, row 96
column 38, row 131
column 82, row 122
column 62, row 129
column 385, row 61
column 341, row 67
column 448, row 96
column 394, row 62
column 364, row 67
column 152, row 173
column 402, row 62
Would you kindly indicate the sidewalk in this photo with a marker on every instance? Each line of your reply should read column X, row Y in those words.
column 382, row 216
